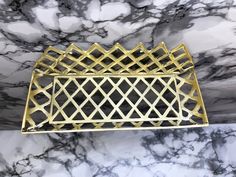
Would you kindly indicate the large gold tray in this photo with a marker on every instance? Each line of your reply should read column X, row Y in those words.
column 115, row 89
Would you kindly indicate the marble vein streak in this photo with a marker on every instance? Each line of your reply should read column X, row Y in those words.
column 197, row 152
column 206, row 27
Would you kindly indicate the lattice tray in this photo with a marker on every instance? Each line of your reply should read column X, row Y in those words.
column 116, row 89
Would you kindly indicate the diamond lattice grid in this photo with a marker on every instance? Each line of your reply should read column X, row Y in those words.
column 118, row 60
column 114, row 99
column 98, row 89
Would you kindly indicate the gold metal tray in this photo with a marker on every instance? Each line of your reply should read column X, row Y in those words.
column 115, row 89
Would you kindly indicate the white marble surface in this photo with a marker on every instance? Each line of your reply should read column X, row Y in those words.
column 197, row 152
column 206, row 27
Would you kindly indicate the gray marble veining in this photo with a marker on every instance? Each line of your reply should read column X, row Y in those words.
column 198, row 152
column 206, row 27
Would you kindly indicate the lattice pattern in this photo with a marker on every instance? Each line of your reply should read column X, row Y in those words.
column 114, row 99
column 94, row 90
column 97, row 60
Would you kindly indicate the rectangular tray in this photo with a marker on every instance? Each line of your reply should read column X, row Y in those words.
column 116, row 89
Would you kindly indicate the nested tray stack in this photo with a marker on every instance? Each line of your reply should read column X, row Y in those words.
column 115, row 89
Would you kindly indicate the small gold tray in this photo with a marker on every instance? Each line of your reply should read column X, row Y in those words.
column 116, row 89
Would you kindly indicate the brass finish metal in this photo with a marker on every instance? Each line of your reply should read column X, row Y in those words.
column 116, row 89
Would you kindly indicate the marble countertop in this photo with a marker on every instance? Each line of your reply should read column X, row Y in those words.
column 197, row 152
column 206, row 27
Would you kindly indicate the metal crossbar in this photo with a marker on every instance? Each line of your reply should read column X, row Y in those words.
column 116, row 89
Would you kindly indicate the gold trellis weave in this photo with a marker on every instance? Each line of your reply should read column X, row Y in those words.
column 116, row 89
